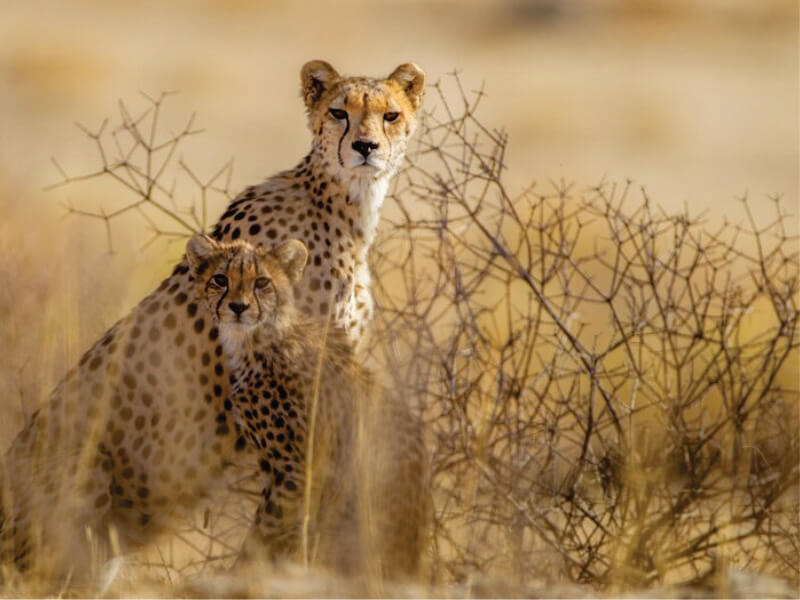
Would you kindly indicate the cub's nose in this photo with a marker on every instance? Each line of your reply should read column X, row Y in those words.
column 238, row 307
column 364, row 147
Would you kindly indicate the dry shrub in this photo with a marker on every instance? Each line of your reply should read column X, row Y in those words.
column 150, row 179
column 609, row 390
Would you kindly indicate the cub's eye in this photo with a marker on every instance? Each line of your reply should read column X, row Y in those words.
column 220, row 280
column 262, row 282
column 390, row 116
column 338, row 113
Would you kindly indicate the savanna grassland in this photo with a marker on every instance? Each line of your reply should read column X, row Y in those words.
column 587, row 270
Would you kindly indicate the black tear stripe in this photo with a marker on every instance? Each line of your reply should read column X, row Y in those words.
column 225, row 293
column 255, row 291
column 388, row 139
column 341, row 139
column 258, row 304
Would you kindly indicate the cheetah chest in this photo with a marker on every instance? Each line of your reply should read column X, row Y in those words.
column 270, row 405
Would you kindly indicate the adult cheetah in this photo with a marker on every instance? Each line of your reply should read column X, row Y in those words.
column 342, row 459
column 102, row 452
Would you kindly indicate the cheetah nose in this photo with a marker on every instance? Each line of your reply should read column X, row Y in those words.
column 364, row 147
column 238, row 307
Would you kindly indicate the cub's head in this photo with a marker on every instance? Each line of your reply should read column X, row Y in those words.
column 361, row 126
column 246, row 286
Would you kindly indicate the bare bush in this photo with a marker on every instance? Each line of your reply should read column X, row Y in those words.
column 609, row 390
column 136, row 155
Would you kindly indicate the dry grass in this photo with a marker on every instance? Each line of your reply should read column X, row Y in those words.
column 609, row 390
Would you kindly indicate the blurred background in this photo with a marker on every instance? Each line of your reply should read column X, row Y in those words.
column 695, row 100
column 698, row 100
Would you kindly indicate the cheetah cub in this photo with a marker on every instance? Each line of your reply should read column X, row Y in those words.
column 342, row 461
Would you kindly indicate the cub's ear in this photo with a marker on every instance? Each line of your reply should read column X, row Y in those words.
column 412, row 80
column 292, row 255
column 199, row 251
column 316, row 77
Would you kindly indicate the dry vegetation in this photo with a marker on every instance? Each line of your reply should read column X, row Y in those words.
column 610, row 391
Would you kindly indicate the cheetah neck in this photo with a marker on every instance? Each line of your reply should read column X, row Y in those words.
column 368, row 195
column 244, row 347
column 239, row 347
column 359, row 196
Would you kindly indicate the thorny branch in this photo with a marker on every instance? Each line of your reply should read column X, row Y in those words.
column 142, row 164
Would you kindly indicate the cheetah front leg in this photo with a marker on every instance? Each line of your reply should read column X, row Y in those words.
column 278, row 525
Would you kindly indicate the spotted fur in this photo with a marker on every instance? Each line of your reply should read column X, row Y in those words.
column 142, row 424
column 337, row 453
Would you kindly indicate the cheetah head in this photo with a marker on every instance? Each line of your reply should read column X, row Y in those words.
column 361, row 126
column 246, row 287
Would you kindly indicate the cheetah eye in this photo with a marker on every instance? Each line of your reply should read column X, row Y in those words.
column 391, row 116
column 220, row 280
column 338, row 113
column 262, row 282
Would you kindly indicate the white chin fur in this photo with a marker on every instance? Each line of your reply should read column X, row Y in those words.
column 376, row 163
column 235, row 337
column 368, row 193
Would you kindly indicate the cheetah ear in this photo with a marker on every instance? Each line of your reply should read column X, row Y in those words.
column 316, row 78
column 292, row 255
column 199, row 249
column 412, row 79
